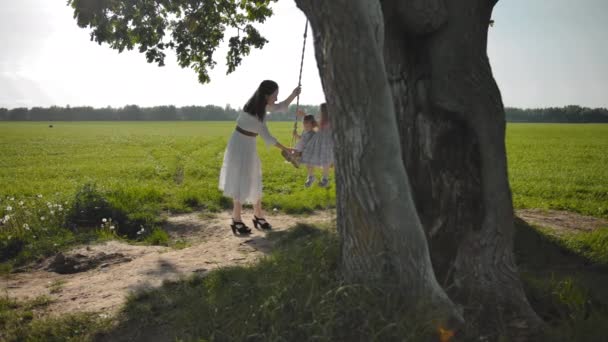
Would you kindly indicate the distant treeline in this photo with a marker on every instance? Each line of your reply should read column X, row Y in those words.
column 568, row 114
column 136, row 113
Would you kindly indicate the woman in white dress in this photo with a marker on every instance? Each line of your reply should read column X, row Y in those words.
column 241, row 174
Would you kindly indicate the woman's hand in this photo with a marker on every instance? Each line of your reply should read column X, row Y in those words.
column 285, row 149
column 291, row 97
column 300, row 113
column 296, row 91
column 290, row 150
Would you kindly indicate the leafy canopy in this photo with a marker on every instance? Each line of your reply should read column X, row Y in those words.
column 193, row 28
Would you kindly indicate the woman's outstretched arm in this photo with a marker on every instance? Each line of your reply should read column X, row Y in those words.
column 284, row 105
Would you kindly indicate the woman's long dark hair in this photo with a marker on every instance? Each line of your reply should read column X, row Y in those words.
column 257, row 103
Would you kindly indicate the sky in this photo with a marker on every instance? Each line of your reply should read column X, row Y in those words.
column 543, row 53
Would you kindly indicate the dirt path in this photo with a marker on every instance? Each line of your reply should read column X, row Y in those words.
column 105, row 287
column 561, row 222
column 126, row 268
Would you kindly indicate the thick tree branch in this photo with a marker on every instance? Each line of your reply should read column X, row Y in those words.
column 417, row 17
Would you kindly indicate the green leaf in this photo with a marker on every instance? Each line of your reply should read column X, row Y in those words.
column 192, row 28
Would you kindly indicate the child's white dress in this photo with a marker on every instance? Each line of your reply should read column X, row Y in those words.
column 304, row 139
column 241, row 174
column 319, row 150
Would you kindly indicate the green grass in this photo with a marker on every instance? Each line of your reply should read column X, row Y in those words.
column 565, row 279
column 34, row 227
column 157, row 237
column 130, row 172
column 135, row 171
column 296, row 294
column 174, row 166
column 559, row 166
column 22, row 321
column 162, row 165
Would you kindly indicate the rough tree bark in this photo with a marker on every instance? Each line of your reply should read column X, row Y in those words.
column 452, row 127
column 446, row 109
column 383, row 242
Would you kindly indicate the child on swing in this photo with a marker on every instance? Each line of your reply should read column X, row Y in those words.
column 308, row 132
column 309, row 124
column 317, row 148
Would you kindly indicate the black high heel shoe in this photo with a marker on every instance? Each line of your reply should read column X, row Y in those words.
column 239, row 227
column 261, row 222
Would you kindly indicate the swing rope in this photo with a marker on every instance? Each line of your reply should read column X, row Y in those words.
column 295, row 124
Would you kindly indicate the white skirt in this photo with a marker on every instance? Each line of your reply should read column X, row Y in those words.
column 241, row 174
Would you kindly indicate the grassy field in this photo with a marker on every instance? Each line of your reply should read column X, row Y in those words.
column 296, row 294
column 559, row 166
column 130, row 171
column 170, row 165
column 175, row 165
column 133, row 172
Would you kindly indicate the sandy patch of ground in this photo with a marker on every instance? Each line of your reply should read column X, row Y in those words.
column 561, row 221
column 116, row 269
column 127, row 268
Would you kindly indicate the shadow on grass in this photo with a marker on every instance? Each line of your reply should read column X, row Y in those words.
column 536, row 250
column 294, row 294
column 237, row 303
column 565, row 287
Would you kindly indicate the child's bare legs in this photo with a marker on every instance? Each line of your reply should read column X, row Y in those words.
column 311, row 176
column 311, row 170
column 326, row 171
column 325, row 180
column 236, row 211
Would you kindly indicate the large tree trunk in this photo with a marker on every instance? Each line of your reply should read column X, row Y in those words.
column 383, row 242
column 412, row 78
column 452, row 128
